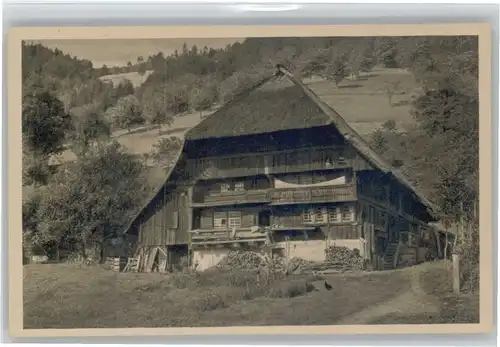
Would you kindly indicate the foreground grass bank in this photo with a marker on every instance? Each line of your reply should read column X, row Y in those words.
column 68, row 296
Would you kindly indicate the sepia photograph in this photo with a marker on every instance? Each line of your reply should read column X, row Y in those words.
column 253, row 181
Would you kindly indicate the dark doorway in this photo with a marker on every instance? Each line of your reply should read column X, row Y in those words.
column 178, row 257
column 380, row 245
column 264, row 218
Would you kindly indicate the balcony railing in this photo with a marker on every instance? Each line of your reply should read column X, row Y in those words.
column 282, row 196
column 285, row 196
column 221, row 236
column 290, row 161
column 234, row 198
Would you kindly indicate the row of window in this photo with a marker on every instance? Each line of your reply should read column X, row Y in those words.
column 235, row 187
column 331, row 215
column 239, row 186
column 300, row 157
column 225, row 220
column 233, row 219
column 259, row 183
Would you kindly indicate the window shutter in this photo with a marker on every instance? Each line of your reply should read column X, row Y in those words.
column 234, row 219
column 175, row 220
column 333, row 215
column 307, row 217
column 220, row 220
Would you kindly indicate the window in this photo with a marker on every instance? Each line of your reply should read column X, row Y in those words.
column 308, row 217
column 318, row 215
column 305, row 179
column 313, row 216
column 234, row 219
column 380, row 193
column 333, row 215
column 383, row 219
column 347, row 213
column 225, row 187
column 239, row 187
column 292, row 159
column 220, row 220
column 371, row 216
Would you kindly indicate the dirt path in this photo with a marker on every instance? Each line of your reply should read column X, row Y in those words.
column 414, row 301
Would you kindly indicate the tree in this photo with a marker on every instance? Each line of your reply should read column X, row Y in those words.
column 104, row 70
column 368, row 61
column 165, row 151
column 336, row 70
column 387, row 50
column 315, row 65
column 141, row 69
column 124, row 88
column 127, row 112
column 36, row 170
column 378, row 141
column 391, row 88
column 89, row 128
column 203, row 97
column 156, row 110
column 44, row 126
column 44, row 123
column 90, row 200
column 238, row 82
column 389, row 125
column 451, row 121
column 355, row 63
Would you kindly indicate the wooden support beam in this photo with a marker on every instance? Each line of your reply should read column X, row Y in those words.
column 456, row 273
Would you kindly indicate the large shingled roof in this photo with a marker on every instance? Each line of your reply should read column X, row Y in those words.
column 275, row 104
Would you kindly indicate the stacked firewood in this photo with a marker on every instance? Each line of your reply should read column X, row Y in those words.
column 343, row 257
column 338, row 259
column 243, row 260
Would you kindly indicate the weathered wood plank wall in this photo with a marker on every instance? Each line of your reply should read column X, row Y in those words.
column 167, row 222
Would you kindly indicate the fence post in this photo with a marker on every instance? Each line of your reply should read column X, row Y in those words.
column 456, row 273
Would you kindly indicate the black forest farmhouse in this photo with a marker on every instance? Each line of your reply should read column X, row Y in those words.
column 278, row 169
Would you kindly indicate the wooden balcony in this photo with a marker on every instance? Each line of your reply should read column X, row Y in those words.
column 287, row 161
column 286, row 196
column 202, row 237
column 234, row 198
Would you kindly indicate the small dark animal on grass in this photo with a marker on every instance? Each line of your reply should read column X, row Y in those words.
column 328, row 286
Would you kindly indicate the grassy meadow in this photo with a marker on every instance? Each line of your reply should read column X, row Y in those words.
column 71, row 296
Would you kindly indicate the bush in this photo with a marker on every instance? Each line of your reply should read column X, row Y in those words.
column 220, row 287
column 241, row 278
column 181, row 280
column 289, row 289
column 209, row 301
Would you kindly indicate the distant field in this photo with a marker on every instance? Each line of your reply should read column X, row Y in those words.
column 364, row 104
column 134, row 77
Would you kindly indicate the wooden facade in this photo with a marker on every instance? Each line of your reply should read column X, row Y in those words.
column 258, row 189
column 167, row 223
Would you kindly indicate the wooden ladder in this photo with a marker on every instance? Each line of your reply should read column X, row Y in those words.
column 132, row 265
